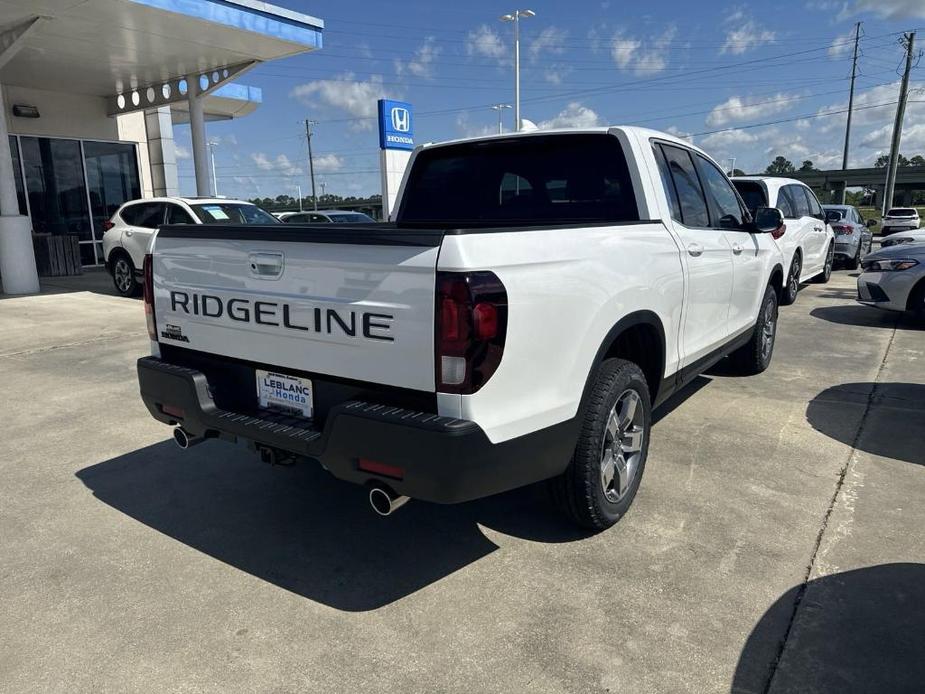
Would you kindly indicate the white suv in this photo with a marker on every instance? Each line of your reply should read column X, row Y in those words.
column 807, row 241
column 130, row 228
column 900, row 219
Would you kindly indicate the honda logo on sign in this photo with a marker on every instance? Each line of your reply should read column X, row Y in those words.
column 401, row 120
column 396, row 125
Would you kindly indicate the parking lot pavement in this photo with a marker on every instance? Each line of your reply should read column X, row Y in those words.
column 776, row 538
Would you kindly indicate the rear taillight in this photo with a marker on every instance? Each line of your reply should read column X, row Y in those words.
column 108, row 224
column 470, row 328
column 779, row 231
column 149, row 296
column 841, row 229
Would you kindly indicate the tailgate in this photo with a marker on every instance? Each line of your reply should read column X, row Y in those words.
column 355, row 302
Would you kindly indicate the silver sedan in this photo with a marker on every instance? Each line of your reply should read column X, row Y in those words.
column 894, row 279
column 901, row 237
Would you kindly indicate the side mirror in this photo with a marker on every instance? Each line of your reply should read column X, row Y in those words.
column 767, row 220
column 831, row 216
column 870, row 223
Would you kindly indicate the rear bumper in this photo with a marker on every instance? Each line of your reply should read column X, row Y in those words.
column 444, row 460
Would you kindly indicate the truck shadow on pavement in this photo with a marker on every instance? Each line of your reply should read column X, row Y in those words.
column 855, row 631
column 865, row 316
column 305, row 531
column 895, row 423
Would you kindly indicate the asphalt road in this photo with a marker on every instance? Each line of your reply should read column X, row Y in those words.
column 776, row 543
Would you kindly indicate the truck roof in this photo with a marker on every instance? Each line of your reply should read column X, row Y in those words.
column 644, row 133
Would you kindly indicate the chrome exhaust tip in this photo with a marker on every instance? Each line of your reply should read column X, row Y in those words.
column 385, row 502
column 185, row 439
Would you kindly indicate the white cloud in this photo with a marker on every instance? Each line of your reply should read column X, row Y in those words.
column 842, row 45
column 326, row 163
column 677, row 132
column 888, row 9
column 469, row 129
column 181, row 152
column 725, row 139
column 281, row 164
column 556, row 73
column 485, row 42
column 422, row 64
column 358, row 98
column 572, row 116
column 739, row 108
column 743, row 33
column 551, row 41
column 643, row 56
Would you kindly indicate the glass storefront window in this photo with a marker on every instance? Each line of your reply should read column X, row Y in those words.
column 57, row 191
column 17, row 175
column 112, row 179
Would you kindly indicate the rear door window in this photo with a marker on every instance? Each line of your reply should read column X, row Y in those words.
column 667, row 184
column 177, row 215
column 799, row 201
column 815, row 209
column 524, row 181
column 691, row 197
column 785, row 204
column 147, row 215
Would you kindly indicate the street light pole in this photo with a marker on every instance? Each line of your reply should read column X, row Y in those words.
column 299, row 187
column 500, row 109
column 515, row 17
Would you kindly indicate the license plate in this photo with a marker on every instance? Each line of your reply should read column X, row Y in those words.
column 289, row 394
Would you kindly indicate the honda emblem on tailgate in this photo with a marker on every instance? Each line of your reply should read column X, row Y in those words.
column 401, row 119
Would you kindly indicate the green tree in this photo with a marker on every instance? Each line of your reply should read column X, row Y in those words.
column 779, row 166
column 884, row 159
column 807, row 165
column 737, row 172
column 917, row 160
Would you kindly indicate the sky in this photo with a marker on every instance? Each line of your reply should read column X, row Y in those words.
column 745, row 80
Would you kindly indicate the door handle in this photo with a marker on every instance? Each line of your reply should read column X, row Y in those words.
column 737, row 249
column 817, row 228
column 695, row 249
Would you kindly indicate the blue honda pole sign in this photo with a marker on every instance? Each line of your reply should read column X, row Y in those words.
column 396, row 125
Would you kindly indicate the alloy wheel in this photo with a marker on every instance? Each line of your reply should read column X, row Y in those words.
column 122, row 274
column 768, row 332
column 621, row 449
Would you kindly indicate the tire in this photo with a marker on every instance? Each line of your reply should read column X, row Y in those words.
column 755, row 356
column 123, row 275
column 855, row 262
column 917, row 302
column 792, row 286
column 826, row 274
column 592, row 492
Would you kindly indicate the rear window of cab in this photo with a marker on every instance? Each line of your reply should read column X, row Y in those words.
column 522, row 181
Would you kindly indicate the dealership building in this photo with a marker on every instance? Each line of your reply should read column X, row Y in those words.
column 89, row 94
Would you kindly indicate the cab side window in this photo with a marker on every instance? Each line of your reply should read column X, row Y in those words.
column 667, row 185
column 726, row 211
column 691, row 198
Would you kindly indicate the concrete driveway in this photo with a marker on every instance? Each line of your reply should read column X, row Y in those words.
column 776, row 542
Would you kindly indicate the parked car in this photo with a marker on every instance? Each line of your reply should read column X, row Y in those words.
column 129, row 230
column 900, row 219
column 894, row 279
column 807, row 242
column 537, row 295
column 326, row 217
column 901, row 237
column 853, row 237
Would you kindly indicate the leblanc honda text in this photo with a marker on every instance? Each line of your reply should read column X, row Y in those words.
column 326, row 321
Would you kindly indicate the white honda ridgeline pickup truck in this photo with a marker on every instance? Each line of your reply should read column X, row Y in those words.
column 536, row 296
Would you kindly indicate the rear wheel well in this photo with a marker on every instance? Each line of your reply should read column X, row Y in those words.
column 643, row 344
column 914, row 296
column 115, row 254
column 777, row 279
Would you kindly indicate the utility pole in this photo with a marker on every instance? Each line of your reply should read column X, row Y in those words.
column 212, row 144
column 515, row 17
column 500, row 109
column 732, row 166
column 311, row 162
column 908, row 41
column 854, row 71
column 299, row 187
